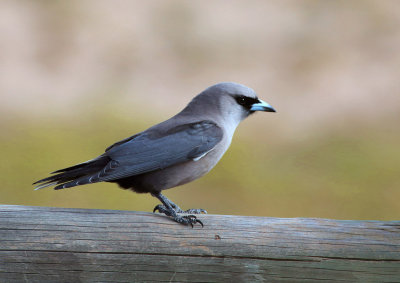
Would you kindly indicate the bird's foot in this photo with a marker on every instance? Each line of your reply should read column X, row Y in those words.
column 185, row 219
column 171, row 209
column 162, row 209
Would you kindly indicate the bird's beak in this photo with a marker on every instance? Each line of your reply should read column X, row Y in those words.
column 262, row 106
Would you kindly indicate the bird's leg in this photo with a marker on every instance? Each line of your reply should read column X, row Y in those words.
column 169, row 209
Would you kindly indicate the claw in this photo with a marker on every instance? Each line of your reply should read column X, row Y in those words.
column 193, row 220
column 201, row 223
column 187, row 219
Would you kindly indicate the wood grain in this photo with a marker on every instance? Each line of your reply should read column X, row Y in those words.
column 42, row 244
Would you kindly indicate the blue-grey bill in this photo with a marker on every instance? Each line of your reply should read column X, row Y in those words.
column 262, row 106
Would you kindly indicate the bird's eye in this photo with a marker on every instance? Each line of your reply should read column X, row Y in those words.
column 241, row 100
column 246, row 101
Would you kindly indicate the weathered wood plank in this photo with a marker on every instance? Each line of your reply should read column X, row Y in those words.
column 40, row 244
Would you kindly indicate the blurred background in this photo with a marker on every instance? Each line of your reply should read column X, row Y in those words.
column 77, row 76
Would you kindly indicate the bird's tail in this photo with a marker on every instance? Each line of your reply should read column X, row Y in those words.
column 76, row 175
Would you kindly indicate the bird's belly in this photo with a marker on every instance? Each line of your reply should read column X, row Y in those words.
column 174, row 176
column 179, row 174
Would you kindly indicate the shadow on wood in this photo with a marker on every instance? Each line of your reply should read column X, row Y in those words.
column 42, row 244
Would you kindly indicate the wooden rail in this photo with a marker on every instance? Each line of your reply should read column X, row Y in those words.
column 42, row 244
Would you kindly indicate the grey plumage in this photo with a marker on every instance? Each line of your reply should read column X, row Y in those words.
column 172, row 153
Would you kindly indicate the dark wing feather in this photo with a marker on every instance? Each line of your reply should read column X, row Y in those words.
column 73, row 173
column 145, row 152
column 154, row 150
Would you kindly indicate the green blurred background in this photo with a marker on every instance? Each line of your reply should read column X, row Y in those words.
column 77, row 76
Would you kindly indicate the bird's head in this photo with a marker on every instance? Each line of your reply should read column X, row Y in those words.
column 234, row 101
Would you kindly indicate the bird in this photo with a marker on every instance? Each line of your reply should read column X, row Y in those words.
column 171, row 153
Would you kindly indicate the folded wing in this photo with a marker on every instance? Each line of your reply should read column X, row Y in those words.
column 145, row 152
